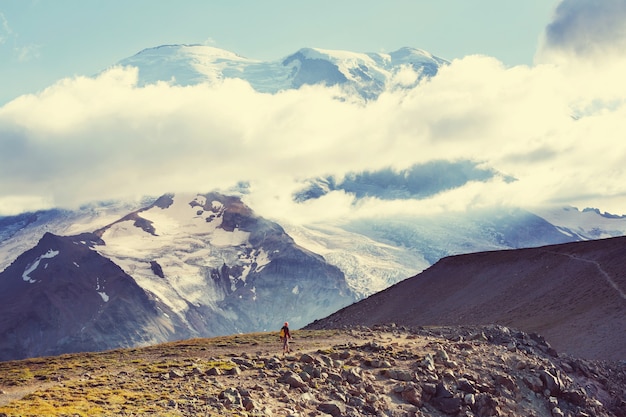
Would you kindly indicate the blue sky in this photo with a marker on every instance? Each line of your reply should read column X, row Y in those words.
column 43, row 41
column 535, row 91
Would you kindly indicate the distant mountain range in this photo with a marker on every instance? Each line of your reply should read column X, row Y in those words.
column 183, row 266
column 188, row 265
column 366, row 74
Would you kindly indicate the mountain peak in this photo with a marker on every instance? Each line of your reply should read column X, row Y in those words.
column 362, row 74
column 190, row 49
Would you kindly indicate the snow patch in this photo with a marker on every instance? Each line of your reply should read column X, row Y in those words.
column 585, row 224
column 32, row 267
column 105, row 296
column 222, row 237
column 262, row 259
column 296, row 290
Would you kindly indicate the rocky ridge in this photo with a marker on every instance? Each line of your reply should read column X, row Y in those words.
column 382, row 371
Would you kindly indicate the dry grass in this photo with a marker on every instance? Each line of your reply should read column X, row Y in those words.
column 131, row 381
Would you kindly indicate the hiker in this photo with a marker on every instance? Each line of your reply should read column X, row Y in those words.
column 284, row 337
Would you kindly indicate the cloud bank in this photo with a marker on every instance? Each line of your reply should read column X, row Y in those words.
column 557, row 129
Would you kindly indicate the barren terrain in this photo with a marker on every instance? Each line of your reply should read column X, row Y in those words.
column 386, row 371
column 573, row 294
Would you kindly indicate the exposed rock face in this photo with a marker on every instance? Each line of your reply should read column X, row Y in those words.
column 62, row 296
column 573, row 294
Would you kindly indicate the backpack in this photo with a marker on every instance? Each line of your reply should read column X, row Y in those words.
column 282, row 333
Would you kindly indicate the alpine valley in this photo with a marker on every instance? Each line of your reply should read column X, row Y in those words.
column 181, row 265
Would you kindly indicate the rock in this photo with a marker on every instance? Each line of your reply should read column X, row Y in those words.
column 412, row 395
column 306, row 377
column 333, row 408
column 234, row 371
column 292, row 379
column 428, row 363
column 485, row 405
column 379, row 363
column 451, row 364
column 556, row 412
column 306, row 358
column 248, row 404
column 175, row 373
column 506, row 382
column 533, row 382
column 448, row 405
column 343, row 355
column 466, row 386
column 551, row 382
column 326, row 360
column 213, row 372
column 313, row 371
column 334, row 376
column 429, row 389
column 443, row 392
column 243, row 363
column 441, row 355
column 352, row 375
column 398, row 374
column 231, row 397
column 576, row 396
column 273, row 363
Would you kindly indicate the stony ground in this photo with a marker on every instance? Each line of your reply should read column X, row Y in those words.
column 383, row 371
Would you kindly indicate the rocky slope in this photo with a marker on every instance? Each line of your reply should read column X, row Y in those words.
column 61, row 296
column 573, row 294
column 383, row 371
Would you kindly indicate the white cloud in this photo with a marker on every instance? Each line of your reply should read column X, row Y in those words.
column 86, row 139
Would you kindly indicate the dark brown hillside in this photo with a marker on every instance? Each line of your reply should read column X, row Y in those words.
column 61, row 296
column 573, row 294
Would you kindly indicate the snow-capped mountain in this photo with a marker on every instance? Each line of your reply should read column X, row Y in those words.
column 183, row 266
column 366, row 74
column 202, row 265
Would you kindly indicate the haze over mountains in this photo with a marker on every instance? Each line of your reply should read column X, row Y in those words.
column 204, row 263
